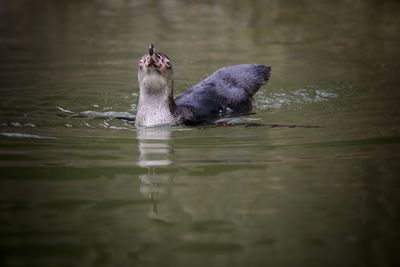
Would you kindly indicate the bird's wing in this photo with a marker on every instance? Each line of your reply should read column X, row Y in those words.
column 228, row 90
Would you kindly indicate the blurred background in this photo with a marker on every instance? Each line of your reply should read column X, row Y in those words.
column 80, row 187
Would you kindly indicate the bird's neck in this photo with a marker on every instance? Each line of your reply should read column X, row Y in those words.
column 156, row 107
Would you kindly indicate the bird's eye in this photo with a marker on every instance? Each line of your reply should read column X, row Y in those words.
column 141, row 62
column 168, row 63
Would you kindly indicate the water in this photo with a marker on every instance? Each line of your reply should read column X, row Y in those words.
column 81, row 187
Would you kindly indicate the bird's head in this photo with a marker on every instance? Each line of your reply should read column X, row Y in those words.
column 155, row 72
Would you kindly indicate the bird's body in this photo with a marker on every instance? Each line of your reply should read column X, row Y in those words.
column 227, row 92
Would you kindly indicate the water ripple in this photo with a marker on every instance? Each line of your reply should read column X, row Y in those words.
column 24, row 135
column 281, row 98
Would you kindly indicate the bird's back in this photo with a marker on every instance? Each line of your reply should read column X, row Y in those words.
column 227, row 92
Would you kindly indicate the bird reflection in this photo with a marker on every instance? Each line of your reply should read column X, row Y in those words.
column 155, row 152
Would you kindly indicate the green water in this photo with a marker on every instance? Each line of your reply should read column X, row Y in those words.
column 89, row 191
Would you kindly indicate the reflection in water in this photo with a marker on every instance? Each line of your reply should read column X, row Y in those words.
column 154, row 147
column 155, row 152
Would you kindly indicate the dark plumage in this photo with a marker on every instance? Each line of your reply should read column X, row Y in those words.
column 227, row 92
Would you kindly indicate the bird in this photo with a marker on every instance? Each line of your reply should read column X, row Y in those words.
column 228, row 92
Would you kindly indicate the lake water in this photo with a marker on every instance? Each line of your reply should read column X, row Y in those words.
column 92, row 190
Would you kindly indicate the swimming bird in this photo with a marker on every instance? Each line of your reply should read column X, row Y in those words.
column 227, row 92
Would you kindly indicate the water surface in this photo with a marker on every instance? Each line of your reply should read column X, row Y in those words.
column 94, row 191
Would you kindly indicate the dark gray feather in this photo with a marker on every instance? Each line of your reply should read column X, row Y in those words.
column 228, row 91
